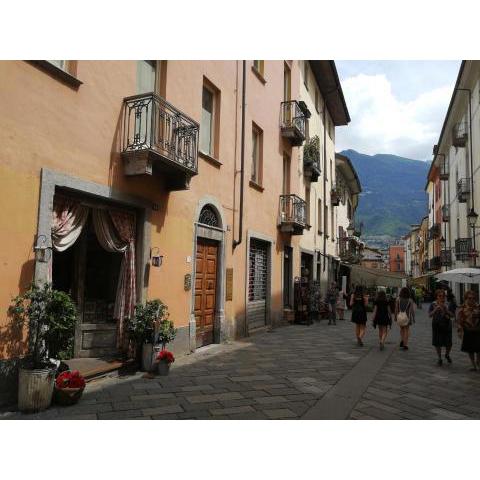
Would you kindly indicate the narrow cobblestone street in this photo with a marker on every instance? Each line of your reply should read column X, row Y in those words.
column 313, row 372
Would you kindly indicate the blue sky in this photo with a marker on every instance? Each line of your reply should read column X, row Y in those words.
column 396, row 107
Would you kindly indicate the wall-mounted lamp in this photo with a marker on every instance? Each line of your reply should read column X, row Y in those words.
column 43, row 252
column 157, row 259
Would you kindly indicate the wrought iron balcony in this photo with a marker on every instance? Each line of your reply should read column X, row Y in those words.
column 460, row 134
column 159, row 139
column 311, row 159
column 463, row 189
column 446, row 257
column 463, row 248
column 292, row 214
column 445, row 213
column 435, row 263
column 293, row 117
column 444, row 169
column 336, row 195
column 434, row 231
column 425, row 266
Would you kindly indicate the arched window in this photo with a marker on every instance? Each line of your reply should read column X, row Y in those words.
column 208, row 216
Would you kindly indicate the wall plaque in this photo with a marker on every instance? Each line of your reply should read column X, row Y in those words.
column 229, row 286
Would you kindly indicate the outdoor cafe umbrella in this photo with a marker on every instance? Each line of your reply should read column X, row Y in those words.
column 461, row 275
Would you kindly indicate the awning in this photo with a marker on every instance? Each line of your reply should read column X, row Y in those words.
column 372, row 277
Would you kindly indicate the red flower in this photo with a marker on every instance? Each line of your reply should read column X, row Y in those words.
column 166, row 356
column 70, row 379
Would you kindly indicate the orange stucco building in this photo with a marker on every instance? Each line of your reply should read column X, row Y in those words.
column 191, row 155
column 397, row 258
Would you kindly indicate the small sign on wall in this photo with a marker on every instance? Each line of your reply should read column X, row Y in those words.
column 229, row 286
column 187, row 282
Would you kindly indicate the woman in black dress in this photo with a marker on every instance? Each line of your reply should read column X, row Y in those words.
column 359, row 303
column 441, row 326
column 469, row 328
column 382, row 317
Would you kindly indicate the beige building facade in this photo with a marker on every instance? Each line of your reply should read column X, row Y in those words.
column 195, row 168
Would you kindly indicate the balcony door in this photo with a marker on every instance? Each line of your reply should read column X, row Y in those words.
column 146, row 76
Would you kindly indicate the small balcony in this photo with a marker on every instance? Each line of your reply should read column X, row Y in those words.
column 463, row 190
column 311, row 159
column 293, row 117
column 445, row 213
column 463, row 249
column 292, row 215
column 434, row 231
column 159, row 140
column 446, row 257
column 336, row 195
column 435, row 263
column 459, row 134
column 425, row 266
column 444, row 170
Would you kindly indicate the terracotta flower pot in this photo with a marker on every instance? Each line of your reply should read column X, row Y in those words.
column 67, row 396
column 163, row 368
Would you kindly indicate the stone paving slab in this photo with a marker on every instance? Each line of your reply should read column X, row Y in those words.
column 288, row 372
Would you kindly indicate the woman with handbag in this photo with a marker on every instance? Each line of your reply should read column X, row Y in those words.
column 441, row 317
column 382, row 317
column 404, row 315
column 359, row 302
column 468, row 322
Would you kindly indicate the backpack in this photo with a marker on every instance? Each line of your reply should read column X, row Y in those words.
column 403, row 319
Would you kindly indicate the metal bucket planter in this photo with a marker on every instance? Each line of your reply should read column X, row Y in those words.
column 149, row 352
column 35, row 389
column 163, row 368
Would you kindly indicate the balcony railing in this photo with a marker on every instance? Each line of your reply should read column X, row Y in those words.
column 292, row 215
column 446, row 257
column 425, row 266
column 460, row 134
column 158, row 137
column 434, row 231
column 463, row 189
column 337, row 195
column 444, row 169
column 311, row 159
column 445, row 213
column 463, row 248
column 435, row 263
column 293, row 117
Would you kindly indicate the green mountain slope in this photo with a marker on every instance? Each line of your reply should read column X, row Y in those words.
column 393, row 194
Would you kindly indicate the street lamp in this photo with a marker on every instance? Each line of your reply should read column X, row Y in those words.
column 350, row 229
column 472, row 218
column 472, row 221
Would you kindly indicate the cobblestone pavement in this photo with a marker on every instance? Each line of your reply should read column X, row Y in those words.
column 290, row 373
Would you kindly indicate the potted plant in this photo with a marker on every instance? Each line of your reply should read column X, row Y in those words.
column 164, row 359
column 142, row 330
column 69, row 387
column 166, row 332
column 51, row 317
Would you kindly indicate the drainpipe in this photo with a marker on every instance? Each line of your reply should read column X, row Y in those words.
column 325, row 220
column 242, row 159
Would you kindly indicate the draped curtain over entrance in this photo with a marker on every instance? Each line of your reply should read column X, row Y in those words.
column 69, row 218
column 115, row 231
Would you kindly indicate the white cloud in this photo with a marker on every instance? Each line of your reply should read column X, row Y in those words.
column 382, row 123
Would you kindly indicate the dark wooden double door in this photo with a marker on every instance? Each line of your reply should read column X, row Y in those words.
column 205, row 290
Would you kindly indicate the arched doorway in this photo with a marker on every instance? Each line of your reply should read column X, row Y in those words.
column 207, row 308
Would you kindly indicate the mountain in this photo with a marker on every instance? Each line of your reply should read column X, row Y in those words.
column 393, row 195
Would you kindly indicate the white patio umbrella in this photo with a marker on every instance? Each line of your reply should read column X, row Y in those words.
column 460, row 275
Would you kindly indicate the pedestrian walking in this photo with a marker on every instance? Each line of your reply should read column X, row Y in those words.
column 468, row 322
column 359, row 302
column 441, row 326
column 382, row 317
column 332, row 294
column 341, row 304
column 404, row 315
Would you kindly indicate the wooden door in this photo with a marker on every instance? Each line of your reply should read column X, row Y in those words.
column 205, row 290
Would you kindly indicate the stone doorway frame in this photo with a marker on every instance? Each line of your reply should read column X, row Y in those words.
column 220, row 333
column 52, row 180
